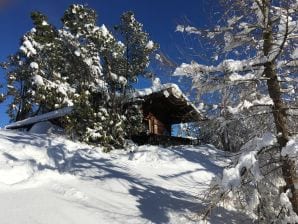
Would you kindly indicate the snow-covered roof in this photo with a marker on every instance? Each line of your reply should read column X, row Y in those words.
column 176, row 91
column 43, row 117
column 166, row 93
column 156, row 88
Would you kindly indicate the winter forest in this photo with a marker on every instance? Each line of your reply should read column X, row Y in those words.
column 107, row 125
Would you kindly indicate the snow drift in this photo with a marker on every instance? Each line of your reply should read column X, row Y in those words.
column 45, row 178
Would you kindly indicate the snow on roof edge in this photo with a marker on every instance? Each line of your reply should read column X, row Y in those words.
column 163, row 87
column 43, row 117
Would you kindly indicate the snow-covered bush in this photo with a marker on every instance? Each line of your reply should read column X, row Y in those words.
column 255, row 182
column 231, row 132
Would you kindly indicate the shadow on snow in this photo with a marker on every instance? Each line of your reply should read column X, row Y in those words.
column 154, row 202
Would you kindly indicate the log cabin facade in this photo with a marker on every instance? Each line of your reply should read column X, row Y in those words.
column 155, row 126
column 163, row 107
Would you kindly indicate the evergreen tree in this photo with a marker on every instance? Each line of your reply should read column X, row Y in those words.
column 107, row 102
column 34, row 72
column 84, row 71
column 138, row 47
column 134, row 62
column 53, row 91
column 19, row 80
column 84, row 66
column 133, row 119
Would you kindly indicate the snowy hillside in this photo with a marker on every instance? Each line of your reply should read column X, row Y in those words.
column 48, row 179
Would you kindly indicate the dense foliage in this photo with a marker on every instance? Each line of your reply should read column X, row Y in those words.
column 84, row 66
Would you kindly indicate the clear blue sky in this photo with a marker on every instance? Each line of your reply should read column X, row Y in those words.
column 159, row 17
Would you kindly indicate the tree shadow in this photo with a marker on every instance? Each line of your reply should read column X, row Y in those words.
column 154, row 202
column 19, row 137
column 197, row 157
column 167, row 177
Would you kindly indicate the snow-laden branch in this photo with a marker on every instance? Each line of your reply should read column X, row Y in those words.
column 227, row 66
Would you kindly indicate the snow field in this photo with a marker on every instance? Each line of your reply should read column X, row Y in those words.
column 45, row 178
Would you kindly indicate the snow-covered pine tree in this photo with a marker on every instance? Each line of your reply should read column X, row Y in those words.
column 84, row 66
column 20, row 78
column 90, row 119
column 138, row 49
column 53, row 90
column 33, row 73
column 109, row 74
column 133, row 121
column 256, row 47
column 123, row 61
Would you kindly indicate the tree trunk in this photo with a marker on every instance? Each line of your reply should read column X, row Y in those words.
column 280, row 120
column 280, row 117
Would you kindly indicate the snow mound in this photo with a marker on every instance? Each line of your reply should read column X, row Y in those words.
column 153, row 154
column 45, row 127
column 232, row 176
column 15, row 172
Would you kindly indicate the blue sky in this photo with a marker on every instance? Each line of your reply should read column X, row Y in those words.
column 159, row 17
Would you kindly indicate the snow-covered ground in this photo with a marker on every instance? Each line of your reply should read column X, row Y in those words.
column 45, row 178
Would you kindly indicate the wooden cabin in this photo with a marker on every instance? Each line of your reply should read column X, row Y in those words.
column 162, row 107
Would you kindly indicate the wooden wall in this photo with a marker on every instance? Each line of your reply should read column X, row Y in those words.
column 155, row 126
